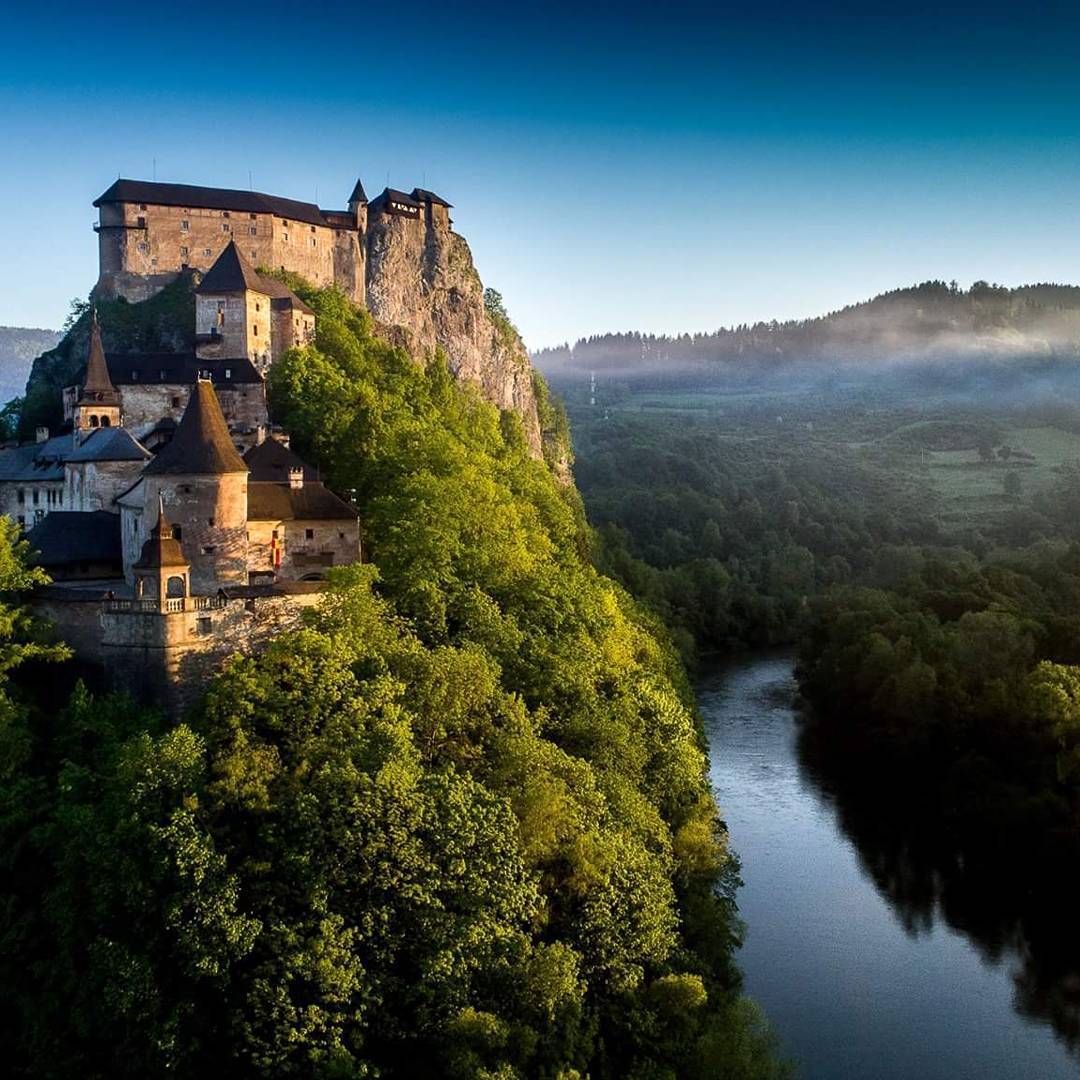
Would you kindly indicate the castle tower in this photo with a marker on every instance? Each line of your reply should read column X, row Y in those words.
column 232, row 310
column 161, row 572
column 98, row 403
column 358, row 206
column 201, row 478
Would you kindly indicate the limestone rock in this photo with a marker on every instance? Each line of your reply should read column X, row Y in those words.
column 421, row 278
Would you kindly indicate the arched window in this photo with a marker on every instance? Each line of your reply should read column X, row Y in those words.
column 105, row 421
column 93, row 421
column 175, row 587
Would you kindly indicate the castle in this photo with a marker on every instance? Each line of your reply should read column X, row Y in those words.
column 149, row 232
column 176, row 523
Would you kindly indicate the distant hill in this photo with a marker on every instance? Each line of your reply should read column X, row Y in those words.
column 18, row 348
column 926, row 322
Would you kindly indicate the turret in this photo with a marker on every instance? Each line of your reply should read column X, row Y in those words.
column 161, row 572
column 98, row 403
column 358, row 204
column 203, row 480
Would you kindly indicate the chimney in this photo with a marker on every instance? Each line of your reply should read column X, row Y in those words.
column 296, row 477
column 42, row 434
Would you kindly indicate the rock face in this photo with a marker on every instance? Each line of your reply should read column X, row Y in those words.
column 421, row 279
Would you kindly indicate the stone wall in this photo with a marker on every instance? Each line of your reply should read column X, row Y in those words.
column 242, row 322
column 303, row 557
column 211, row 514
column 142, row 246
column 25, row 502
column 243, row 404
column 93, row 485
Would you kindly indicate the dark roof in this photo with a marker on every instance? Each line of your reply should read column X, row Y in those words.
column 161, row 550
column 110, row 444
column 208, row 198
column 37, row 462
column 97, row 386
column 231, row 272
column 201, row 444
column 271, row 461
column 358, row 194
column 179, row 369
column 392, row 194
column 64, row 537
column 430, row 196
column 312, row 502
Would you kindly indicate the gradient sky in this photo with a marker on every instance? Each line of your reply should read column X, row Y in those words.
column 669, row 167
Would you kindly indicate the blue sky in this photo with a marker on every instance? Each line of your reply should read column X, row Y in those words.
column 659, row 167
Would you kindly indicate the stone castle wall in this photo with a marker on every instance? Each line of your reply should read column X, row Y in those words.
column 139, row 241
column 244, row 406
column 302, row 556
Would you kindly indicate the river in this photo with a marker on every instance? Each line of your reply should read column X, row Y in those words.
column 859, row 985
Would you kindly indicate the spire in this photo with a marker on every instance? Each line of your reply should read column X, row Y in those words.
column 160, row 549
column 231, row 273
column 358, row 194
column 97, row 385
column 201, row 444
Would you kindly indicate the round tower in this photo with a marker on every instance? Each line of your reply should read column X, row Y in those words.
column 162, row 572
column 202, row 481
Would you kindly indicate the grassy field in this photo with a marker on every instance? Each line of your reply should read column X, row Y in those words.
column 927, row 445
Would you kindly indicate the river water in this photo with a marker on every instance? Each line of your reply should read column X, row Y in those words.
column 858, row 985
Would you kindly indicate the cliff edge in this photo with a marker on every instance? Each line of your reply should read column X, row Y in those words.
column 424, row 292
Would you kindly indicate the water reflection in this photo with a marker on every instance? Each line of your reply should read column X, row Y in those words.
column 1013, row 897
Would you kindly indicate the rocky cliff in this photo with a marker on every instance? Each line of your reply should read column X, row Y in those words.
column 425, row 292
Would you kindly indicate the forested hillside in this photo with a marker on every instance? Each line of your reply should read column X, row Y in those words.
column 458, row 825
column 931, row 320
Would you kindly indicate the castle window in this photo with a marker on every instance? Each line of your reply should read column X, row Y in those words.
column 225, row 226
column 35, row 496
column 285, row 222
column 314, row 242
column 284, row 238
column 252, row 216
column 208, row 549
column 258, row 307
column 255, row 330
column 203, row 624
column 184, row 251
column 253, row 230
column 93, row 423
column 177, row 531
column 312, row 228
column 142, row 221
column 224, row 213
column 207, row 252
column 309, row 534
column 210, row 522
column 254, row 254
column 142, row 206
column 185, row 225
column 22, row 497
column 105, row 422
column 143, row 248
column 175, row 402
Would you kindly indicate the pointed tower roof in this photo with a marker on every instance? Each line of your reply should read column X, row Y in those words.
column 201, row 444
column 97, row 386
column 358, row 194
column 231, row 273
column 160, row 549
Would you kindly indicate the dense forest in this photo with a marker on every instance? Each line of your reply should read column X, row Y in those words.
column 920, row 323
column 924, row 558
column 457, row 825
